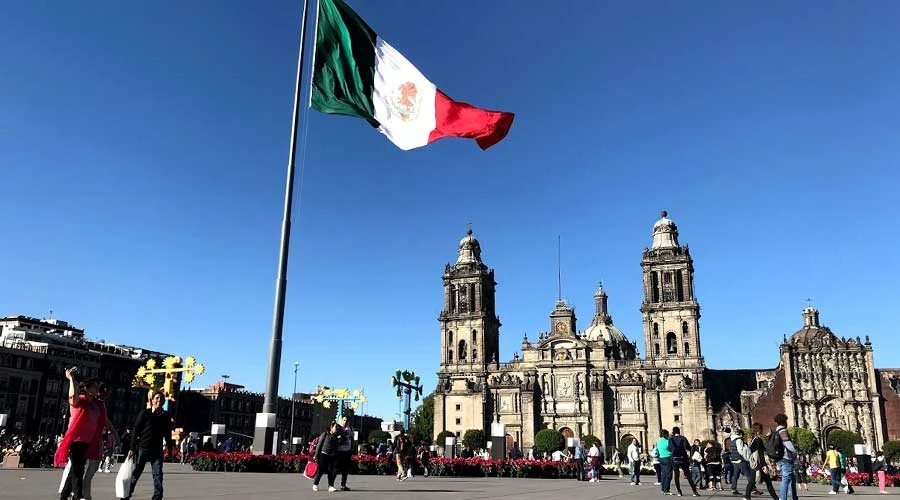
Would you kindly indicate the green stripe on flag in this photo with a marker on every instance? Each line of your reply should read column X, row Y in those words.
column 344, row 72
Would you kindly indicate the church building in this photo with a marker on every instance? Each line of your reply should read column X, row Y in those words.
column 592, row 381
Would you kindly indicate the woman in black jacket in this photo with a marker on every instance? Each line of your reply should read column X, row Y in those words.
column 326, row 455
column 758, row 446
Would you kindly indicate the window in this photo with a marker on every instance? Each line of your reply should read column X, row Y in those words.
column 655, row 349
column 687, row 349
column 679, row 287
column 461, row 351
column 450, row 355
column 654, row 287
column 671, row 343
column 458, row 407
column 684, row 328
column 450, row 337
column 677, row 418
column 457, row 434
column 458, row 421
column 656, row 330
column 474, row 355
column 675, row 403
column 474, row 336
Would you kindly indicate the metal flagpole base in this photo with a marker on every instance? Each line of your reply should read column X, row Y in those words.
column 264, row 434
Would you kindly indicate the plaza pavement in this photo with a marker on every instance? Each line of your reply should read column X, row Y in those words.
column 183, row 483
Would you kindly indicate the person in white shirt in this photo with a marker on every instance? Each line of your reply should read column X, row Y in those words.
column 634, row 461
column 594, row 457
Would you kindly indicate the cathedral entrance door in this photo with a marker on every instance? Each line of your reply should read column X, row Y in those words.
column 567, row 433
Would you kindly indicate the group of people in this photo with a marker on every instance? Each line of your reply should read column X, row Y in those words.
column 86, row 445
column 332, row 452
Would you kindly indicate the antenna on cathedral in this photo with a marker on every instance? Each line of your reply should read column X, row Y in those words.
column 558, row 268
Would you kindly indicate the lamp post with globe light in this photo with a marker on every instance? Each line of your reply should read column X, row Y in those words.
column 407, row 383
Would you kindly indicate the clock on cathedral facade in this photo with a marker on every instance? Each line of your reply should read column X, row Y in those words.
column 593, row 381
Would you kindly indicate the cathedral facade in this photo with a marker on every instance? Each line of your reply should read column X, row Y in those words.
column 593, row 381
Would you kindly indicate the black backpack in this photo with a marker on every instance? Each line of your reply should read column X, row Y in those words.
column 774, row 446
column 679, row 448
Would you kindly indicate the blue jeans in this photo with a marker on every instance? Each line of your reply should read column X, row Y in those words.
column 156, row 465
column 787, row 478
column 836, row 479
column 665, row 473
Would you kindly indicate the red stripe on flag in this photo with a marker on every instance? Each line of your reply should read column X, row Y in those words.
column 458, row 119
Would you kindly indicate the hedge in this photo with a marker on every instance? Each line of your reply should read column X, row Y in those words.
column 370, row 464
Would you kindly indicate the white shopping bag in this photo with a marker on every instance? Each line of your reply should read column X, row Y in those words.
column 65, row 476
column 123, row 478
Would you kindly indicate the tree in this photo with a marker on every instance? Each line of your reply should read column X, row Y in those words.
column 804, row 439
column 417, row 438
column 377, row 437
column 891, row 451
column 845, row 441
column 423, row 418
column 473, row 438
column 442, row 438
column 549, row 440
column 590, row 440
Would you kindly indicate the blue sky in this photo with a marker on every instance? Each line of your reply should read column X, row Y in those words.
column 143, row 145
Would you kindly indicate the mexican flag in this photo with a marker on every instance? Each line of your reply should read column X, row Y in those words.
column 357, row 73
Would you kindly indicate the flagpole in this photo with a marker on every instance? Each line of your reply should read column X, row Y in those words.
column 265, row 421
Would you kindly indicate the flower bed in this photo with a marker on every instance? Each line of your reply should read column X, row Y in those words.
column 857, row 479
column 369, row 464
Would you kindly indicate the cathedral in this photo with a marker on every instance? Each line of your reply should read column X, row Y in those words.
column 593, row 381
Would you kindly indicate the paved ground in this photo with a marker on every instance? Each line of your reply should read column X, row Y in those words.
column 182, row 483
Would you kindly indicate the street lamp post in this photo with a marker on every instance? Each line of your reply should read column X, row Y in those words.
column 407, row 383
column 293, row 400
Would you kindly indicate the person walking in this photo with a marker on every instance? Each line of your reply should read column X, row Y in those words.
column 654, row 460
column 664, row 448
column 401, row 445
column 325, row 456
column 152, row 428
column 713, row 458
column 833, row 463
column 880, row 469
column 345, row 452
column 82, row 439
column 579, row 461
column 681, row 460
column 787, row 461
column 758, row 463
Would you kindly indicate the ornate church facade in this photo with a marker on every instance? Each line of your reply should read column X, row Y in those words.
column 593, row 381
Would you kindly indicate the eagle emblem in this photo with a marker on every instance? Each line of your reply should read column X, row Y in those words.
column 404, row 100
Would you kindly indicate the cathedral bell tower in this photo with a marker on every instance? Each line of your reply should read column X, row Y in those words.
column 470, row 328
column 671, row 313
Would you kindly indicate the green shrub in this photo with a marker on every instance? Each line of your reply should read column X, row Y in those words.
column 377, row 437
column 549, row 440
column 845, row 441
column 473, row 438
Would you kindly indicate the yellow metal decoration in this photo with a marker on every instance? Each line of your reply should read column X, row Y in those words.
column 172, row 366
column 341, row 396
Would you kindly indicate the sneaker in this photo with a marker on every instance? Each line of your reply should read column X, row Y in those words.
column 344, row 488
column 882, row 491
column 655, row 484
column 331, row 488
column 633, row 483
column 315, row 487
column 832, row 492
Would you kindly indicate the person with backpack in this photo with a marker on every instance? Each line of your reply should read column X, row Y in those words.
column 425, row 458
column 739, row 456
column 401, row 443
column 781, row 451
column 758, row 463
column 681, row 460
column 664, row 448
column 727, row 467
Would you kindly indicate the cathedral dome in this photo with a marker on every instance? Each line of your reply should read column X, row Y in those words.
column 665, row 232
column 602, row 331
column 811, row 327
column 469, row 249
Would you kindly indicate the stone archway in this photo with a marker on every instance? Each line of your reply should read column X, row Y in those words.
column 567, row 432
column 624, row 441
column 509, row 442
